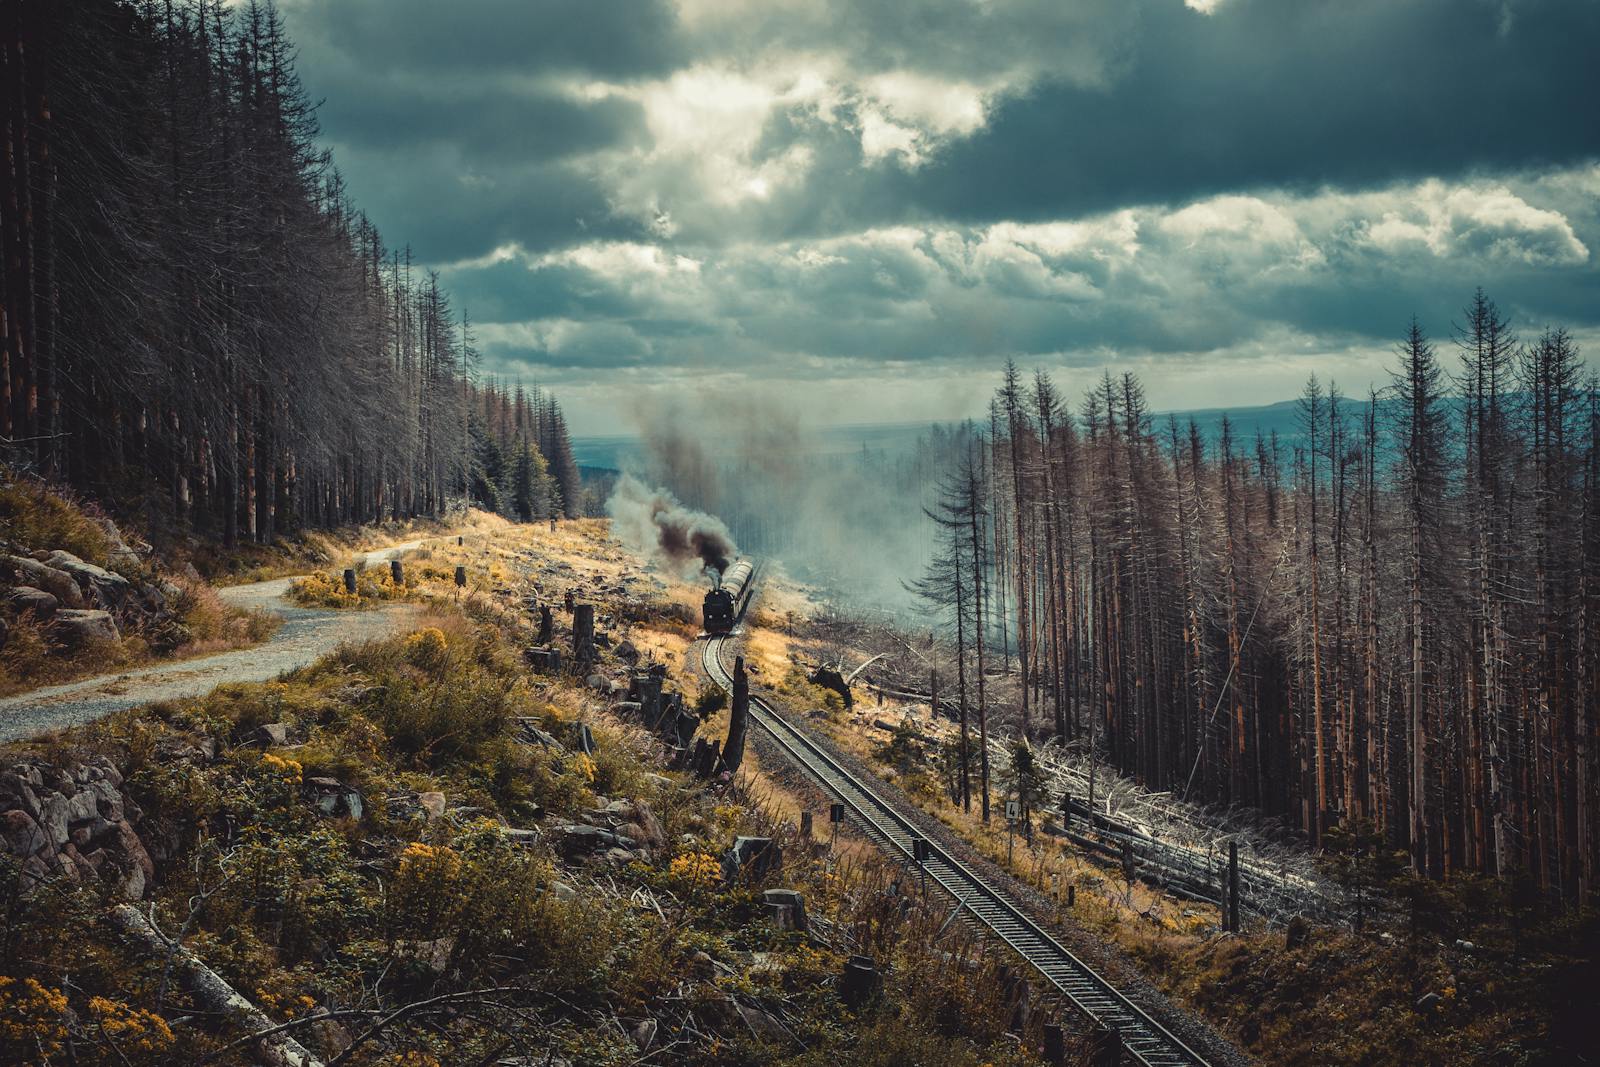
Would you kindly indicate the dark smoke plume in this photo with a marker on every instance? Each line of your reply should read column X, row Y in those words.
column 652, row 521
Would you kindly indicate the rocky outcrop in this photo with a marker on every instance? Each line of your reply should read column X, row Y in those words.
column 77, row 825
column 49, row 584
column 74, row 628
column 24, row 598
column 107, row 588
column 21, row 570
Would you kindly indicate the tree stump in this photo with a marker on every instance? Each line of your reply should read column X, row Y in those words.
column 860, row 982
column 583, row 633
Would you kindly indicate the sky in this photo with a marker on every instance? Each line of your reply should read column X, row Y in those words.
column 862, row 208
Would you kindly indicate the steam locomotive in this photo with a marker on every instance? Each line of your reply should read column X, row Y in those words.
column 727, row 601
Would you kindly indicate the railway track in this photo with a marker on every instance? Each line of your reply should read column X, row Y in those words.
column 1146, row 1040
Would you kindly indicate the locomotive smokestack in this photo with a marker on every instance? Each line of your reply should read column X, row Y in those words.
column 654, row 521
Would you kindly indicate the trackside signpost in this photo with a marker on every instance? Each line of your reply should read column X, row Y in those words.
column 1013, row 813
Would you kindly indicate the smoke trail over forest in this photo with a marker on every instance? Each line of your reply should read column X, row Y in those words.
column 652, row 521
column 848, row 519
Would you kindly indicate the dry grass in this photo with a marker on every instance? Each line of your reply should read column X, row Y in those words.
column 34, row 515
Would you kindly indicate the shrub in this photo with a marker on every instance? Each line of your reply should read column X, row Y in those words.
column 436, row 723
column 32, row 1019
column 36, row 516
column 427, row 651
column 26, row 654
column 710, row 701
column 139, row 1036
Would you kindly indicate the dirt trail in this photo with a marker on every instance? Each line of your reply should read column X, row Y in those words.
column 306, row 634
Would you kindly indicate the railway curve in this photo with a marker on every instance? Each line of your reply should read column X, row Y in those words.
column 980, row 902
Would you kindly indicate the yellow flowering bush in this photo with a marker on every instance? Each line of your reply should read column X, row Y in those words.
column 695, row 870
column 427, row 651
column 423, row 895
column 287, row 769
column 410, row 1058
column 322, row 590
column 135, row 1032
column 31, row 1019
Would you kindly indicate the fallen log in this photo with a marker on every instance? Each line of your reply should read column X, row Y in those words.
column 274, row 1050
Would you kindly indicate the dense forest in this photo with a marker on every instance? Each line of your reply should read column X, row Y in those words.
column 197, row 324
column 1388, row 626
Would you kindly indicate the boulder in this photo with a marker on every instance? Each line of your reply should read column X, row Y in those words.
column 28, row 598
column 786, row 908
column 650, row 831
column 82, row 806
column 57, row 583
column 432, row 804
column 110, row 589
column 626, row 652
column 751, row 857
column 763, row 1024
column 271, row 734
column 523, row 838
column 333, row 798
column 76, row 627
column 21, row 835
column 55, row 818
column 16, row 792
column 576, row 839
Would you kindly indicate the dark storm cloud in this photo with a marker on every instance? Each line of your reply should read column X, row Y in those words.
column 1265, row 93
column 617, row 39
column 445, row 207
column 490, row 125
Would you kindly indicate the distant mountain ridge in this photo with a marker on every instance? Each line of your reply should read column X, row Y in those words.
column 619, row 451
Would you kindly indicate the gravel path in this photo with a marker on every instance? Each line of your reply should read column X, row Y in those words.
column 306, row 635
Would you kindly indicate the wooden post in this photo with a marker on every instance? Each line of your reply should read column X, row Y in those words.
column 738, row 718
column 1231, row 912
column 461, row 577
column 397, row 572
column 805, row 825
column 650, row 700
column 1105, row 1047
column 1055, row 1045
column 350, row 580
column 547, row 625
column 1072, row 896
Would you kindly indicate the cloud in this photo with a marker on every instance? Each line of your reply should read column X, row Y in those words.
column 1218, row 275
column 841, row 191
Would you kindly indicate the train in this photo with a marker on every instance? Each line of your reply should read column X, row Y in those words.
column 726, row 603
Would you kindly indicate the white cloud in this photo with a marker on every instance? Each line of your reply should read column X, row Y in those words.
column 1487, row 222
column 882, row 138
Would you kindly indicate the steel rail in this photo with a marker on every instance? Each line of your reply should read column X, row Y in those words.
column 1146, row 1040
